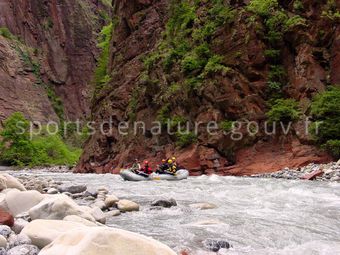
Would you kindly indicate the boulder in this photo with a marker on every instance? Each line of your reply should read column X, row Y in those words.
column 75, row 218
column 167, row 203
column 312, row 175
column 21, row 201
column 3, row 183
column 100, row 204
column 203, row 206
column 52, row 191
column 5, row 231
column 24, row 250
column 43, row 232
column 10, row 182
column 127, row 206
column 3, row 242
column 73, row 189
column 105, row 241
column 19, row 225
column 57, row 207
column 110, row 200
column 98, row 215
column 6, row 218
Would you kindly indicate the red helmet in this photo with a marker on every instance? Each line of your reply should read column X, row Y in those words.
column 146, row 162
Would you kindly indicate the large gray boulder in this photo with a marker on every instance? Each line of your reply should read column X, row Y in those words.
column 21, row 201
column 9, row 182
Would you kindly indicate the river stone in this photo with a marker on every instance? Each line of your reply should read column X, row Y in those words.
column 216, row 245
column 112, row 213
column 24, row 250
column 98, row 215
column 6, row 218
column 3, row 183
column 43, row 232
column 203, row 206
column 19, row 225
column 16, row 240
column 3, row 242
column 105, row 241
column 73, row 189
column 57, row 207
column 127, row 206
column 3, row 251
column 167, row 203
column 52, row 191
column 100, row 204
column 110, row 200
column 5, row 231
column 75, row 218
column 11, row 182
column 21, row 201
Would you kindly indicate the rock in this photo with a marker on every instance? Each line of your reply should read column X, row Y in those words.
column 24, row 250
column 5, row 231
column 19, row 202
column 3, row 242
column 3, row 183
column 112, row 213
column 98, row 215
column 216, row 245
column 127, row 206
column 16, row 240
column 75, row 218
column 19, row 225
column 52, row 191
column 335, row 179
column 102, row 190
column 6, row 218
column 58, row 207
column 3, row 251
column 110, row 200
column 99, row 203
column 11, row 182
column 43, row 232
column 90, row 193
column 105, row 241
column 73, row 189
column 165, row 203
column 338, row 163
column 203, row 206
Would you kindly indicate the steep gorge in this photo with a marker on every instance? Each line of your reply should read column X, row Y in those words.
column 167, row 60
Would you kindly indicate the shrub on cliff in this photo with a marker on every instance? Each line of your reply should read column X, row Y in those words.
column 184, row 140
column 325, row 110
column 17, row 147
column 284, row 110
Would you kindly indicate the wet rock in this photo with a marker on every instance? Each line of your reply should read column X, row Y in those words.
column 6, row 218
column 127, row 206
column 167, row 203
column 3, row 242
column 99, row 203
column 5, row 231
column 203, row 206
column 216, row 245
column 112, row 213
column 24, row 250
column 98, row 215
column 110, row 200
column 73, row 189
column 3, row 251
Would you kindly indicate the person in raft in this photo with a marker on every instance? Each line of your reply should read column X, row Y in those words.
column 145, row 170
column 162, row 167
column 135, row 166
column 172, row 168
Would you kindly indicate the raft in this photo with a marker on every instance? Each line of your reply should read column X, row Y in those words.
column 128, row 175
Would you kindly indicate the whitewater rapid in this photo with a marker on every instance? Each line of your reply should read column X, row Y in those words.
column 257, row 216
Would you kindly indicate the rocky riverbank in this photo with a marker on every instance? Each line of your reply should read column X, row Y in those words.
column 42, row 216
column 318, row 172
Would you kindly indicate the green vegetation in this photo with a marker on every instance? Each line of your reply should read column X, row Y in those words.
column 6, row 33
column 331, row 11
column 186, row 139
column 17, row 147
column 284, row 110
column 226, row 125
column 325, row 110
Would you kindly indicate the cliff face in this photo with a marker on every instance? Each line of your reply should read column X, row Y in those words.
column 239, row 89
column 63, row 34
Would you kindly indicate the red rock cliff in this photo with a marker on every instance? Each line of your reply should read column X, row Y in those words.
column 309, row 56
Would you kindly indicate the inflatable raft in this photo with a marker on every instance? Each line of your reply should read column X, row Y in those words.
column 128, row 175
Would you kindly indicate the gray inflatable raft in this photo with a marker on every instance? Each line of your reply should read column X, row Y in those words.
column 128, row 175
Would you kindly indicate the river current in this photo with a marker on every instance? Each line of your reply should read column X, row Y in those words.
column 257, row 216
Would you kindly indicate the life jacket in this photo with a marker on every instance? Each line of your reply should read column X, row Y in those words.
column 147, row 170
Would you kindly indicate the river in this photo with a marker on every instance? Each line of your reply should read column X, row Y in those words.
column 257, row 216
